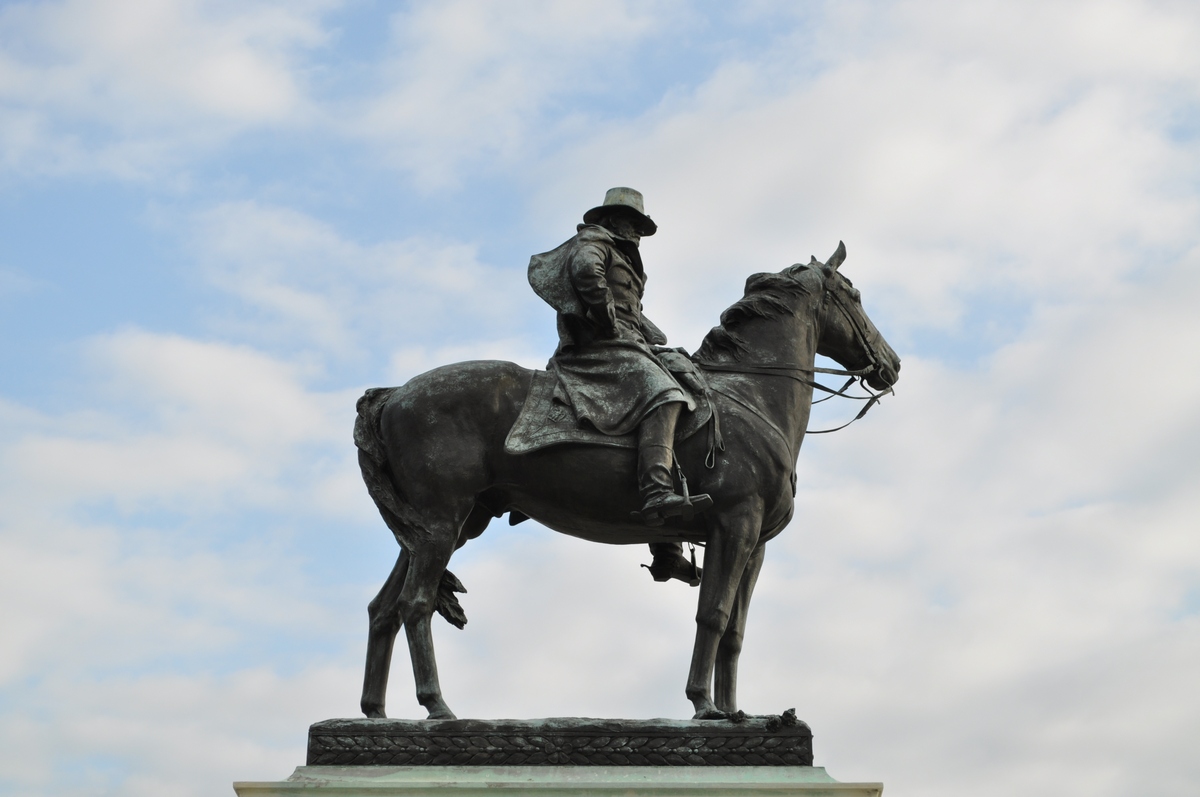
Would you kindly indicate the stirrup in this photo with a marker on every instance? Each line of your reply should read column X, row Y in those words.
column 657, row 515
column 690, row 507
column 692, row 504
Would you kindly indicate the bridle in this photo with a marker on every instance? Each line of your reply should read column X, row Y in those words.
column 797, row 372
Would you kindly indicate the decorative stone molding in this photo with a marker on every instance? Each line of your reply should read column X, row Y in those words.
column 752, row 741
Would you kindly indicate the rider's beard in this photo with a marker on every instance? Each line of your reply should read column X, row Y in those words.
column 624, row 230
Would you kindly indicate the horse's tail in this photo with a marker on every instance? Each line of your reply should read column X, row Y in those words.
column 376, row 471
column 403, row 521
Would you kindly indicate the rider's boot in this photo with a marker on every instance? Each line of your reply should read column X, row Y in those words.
column 656, row 454
column 669, row 563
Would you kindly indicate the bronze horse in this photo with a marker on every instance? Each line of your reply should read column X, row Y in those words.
column 432, row 455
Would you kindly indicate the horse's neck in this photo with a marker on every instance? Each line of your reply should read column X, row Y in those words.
column 786, row 401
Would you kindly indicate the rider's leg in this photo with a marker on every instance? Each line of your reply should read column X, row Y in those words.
column 669, row 563
column 656, row 455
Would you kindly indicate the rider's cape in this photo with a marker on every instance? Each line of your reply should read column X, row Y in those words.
column 550, row 279
column 545, row 421
column 607, row 372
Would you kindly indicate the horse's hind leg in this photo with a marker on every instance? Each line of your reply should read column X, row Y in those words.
column 730, row 646
column 417, row 602
column 384, row 613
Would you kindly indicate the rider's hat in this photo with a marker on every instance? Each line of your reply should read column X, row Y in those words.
column 625, row 201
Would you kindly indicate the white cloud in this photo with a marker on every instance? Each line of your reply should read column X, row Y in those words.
column 311, row 288
column 996, row 564
column 13, row 283
column 176, row 729
column 958, row 160
column 150, row 76
column 134, row 634
column 990, row 584
column 472, row 82
column 196, row 421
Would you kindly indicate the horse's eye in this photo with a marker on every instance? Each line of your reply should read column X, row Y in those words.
column 857, row 296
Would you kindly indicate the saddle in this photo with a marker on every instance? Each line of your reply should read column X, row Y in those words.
column 546, row 421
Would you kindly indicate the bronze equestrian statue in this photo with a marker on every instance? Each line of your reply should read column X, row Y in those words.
column 437, row 453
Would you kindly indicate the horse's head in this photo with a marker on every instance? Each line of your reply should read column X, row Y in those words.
column 847, row 334
column 831, row 320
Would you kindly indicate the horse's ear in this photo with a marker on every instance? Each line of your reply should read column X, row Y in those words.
column 837, row 257
column 814, row 261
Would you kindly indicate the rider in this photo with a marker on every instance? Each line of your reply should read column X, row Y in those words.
column 606, row 368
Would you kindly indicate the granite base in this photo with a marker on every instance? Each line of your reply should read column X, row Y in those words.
column 558, row 781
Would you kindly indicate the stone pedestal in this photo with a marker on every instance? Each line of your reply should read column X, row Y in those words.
column 752, row 757
column 558, row 781
column 579, row 741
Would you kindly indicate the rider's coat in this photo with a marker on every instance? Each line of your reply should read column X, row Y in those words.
column 606, row 368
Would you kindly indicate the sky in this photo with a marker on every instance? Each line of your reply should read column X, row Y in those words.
column 221, row 221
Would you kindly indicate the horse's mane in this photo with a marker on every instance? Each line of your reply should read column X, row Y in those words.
column 766, row 296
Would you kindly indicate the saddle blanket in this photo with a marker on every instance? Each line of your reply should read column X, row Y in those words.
column 545, row 421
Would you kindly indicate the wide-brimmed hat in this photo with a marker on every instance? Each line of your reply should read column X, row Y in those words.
column 626, row 201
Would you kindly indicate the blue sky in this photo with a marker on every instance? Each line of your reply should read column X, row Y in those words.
column 220, row 222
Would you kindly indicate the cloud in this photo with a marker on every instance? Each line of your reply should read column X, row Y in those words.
column 964, row 163
column 1008, row 547
column 138, row 90
column 157, row 723
column 307, row 287
column 119, row 86
column 142, row 600
column 990, row 585
column 195, row 421
column 13, row 283
column 474, row 82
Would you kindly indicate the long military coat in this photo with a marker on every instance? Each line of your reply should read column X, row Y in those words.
column 606, row 369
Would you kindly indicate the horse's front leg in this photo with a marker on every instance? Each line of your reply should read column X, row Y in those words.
column 731, row 543
column 730, row 647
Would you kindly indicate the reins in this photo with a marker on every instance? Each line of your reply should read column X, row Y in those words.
column 772, row 369
column 793, row 372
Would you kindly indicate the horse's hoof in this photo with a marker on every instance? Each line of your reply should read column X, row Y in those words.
column 707, row 709
column 440, row 711
column 718, row 714
column 375, row 714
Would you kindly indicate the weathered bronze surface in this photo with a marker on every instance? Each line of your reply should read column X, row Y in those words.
column 433, row 454
column 754, row 741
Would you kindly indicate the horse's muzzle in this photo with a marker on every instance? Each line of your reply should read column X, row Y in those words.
column 884, row 376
